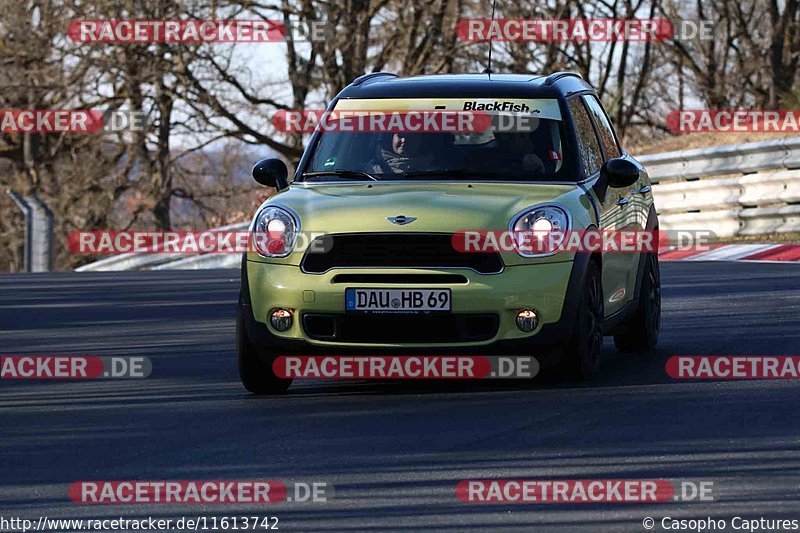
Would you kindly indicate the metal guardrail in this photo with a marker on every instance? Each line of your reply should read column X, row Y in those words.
column 129, row 262
column 738, row 190
column 743, row 189
column 168, row 261
column 200, row 262
column 733, row 159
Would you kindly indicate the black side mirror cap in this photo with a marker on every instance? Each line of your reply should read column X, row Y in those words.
column 619, row 172
column 271, row 172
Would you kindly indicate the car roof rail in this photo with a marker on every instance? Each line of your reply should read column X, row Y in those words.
column 555, row 76
column 361, row 79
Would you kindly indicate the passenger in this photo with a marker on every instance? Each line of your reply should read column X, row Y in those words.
column 406, row 152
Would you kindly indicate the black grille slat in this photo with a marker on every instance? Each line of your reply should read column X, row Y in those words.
column 408, row 279
column 400, row 328
column 409, row 250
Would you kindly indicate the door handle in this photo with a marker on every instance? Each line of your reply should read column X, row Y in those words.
column 644, row 190
column 624, row 201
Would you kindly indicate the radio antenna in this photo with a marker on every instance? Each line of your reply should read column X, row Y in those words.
column 488, row 69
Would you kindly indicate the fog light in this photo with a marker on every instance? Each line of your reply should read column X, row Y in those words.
column 281, row 319
column 527, row 320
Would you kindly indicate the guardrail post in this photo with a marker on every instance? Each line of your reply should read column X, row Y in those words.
column 38, row 250
column 42, row 235
column 26, row 210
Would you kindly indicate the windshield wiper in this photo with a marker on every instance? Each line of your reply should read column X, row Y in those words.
column 347, row 174
column 445, row 172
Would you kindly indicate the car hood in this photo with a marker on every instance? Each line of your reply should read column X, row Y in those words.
column 437, row 207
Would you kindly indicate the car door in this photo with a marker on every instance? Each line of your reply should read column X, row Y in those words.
column 613, row 213
column 625, row 205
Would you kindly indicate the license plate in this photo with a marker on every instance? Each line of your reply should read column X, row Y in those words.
column 397, row 300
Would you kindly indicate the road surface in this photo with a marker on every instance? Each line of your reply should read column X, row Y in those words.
column 394, row 450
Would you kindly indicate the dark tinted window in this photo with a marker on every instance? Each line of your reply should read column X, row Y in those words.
column 607, row 136
column 589, row 147
column 517, row 155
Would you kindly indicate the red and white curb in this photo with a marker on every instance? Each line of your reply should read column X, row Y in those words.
column 783, row 253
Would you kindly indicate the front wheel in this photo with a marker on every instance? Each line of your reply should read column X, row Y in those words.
column 580, row 358
column 640, row 332
column 255, row 366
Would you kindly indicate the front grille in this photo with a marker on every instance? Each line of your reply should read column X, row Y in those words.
column 389, row 328
column 408, row 250
column 408, row 279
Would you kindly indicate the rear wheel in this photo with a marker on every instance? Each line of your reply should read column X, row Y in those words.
column 640, row 332
column 255, row 365
column 580, row 358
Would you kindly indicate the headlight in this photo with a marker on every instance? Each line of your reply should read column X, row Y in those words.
column 275, row 232
column 540, row 220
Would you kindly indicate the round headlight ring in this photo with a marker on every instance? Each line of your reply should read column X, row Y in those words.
column 275, row 232
column 540, row 220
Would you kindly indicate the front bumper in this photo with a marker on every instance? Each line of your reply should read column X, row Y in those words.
column 550, row 288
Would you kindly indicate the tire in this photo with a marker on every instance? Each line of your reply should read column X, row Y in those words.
column 640, row 332
column 580, row 357
column 255, row 366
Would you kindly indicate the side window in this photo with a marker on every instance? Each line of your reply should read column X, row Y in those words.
column 607, row 137
column 589, row 147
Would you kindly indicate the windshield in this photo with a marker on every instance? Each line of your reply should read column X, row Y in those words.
column 525, row 150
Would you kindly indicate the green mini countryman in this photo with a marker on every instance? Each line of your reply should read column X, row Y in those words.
column 359, row 255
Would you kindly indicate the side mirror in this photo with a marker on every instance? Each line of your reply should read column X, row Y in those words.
column 619, row 172
column 271, row 172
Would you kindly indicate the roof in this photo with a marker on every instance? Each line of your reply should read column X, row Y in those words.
column 385, row 85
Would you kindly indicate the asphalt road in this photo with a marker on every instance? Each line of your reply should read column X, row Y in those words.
column 395, row 451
